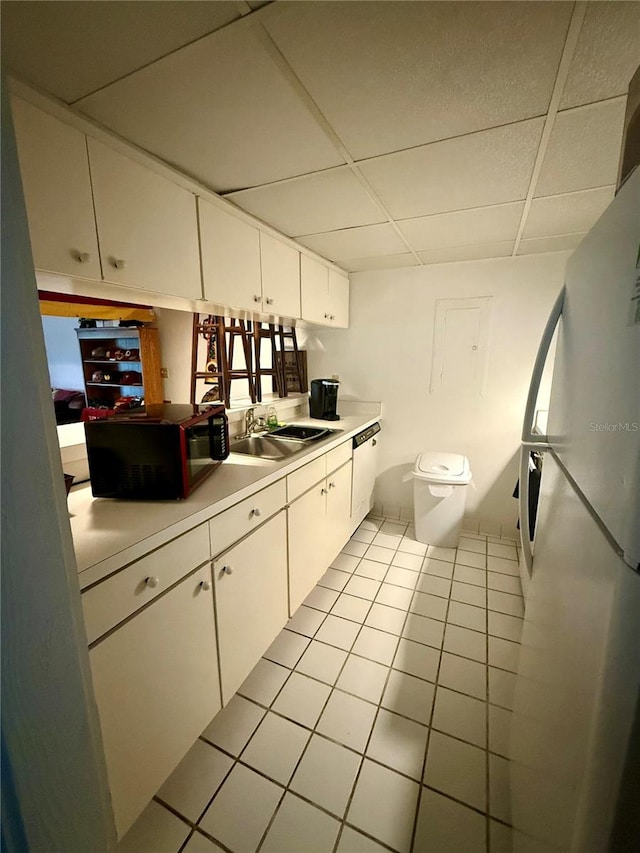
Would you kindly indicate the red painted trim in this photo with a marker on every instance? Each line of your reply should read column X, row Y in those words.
column 48, row 296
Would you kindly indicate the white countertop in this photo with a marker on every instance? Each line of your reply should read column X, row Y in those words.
column 109, row 534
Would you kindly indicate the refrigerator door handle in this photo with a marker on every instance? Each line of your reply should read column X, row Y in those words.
column 538, row 368
column 523, row 499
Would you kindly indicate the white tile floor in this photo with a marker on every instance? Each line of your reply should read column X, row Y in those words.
column 378, row 719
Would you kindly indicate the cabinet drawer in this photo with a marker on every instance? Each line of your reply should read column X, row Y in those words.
column 108, row 603
column 338, row 456
column 234, row 523
column 305, row 477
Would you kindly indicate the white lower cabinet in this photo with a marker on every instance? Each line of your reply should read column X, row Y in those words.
column 250, row 582
column 307, row 522
column 338, row 510
column 156, row 686
column 319, row 525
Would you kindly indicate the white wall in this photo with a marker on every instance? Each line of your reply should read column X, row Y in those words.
column 386, row 355
column 63, row 352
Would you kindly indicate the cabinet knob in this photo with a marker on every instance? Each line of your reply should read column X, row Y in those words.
column 332, row 485
column 227, row 570
column 327, row 316
column 206, row 585
column 119, row 263
column 256, row 511
column 374, row 442
column 257, row 298
column 83, row 257
column 323, row 491
column 332, row 317
column 269, row 300
column 152, row 582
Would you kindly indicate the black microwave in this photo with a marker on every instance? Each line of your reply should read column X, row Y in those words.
column 161, row 452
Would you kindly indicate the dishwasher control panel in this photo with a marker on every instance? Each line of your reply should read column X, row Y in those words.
column 365, row 435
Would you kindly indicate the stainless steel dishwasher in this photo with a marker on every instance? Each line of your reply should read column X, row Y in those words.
column 365, row 465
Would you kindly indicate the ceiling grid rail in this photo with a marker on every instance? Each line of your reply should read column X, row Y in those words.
column 300, row 89
column 570, row 44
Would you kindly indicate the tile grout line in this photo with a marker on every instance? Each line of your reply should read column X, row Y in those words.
column 429, row 732
column 487, row 759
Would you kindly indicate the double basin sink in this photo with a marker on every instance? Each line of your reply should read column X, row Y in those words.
column 281, row 443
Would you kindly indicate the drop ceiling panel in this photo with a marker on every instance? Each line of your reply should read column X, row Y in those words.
column 566, row 214
column 327, row 201
column 484, row 168
column 468, row 253
column 219, row 110
column 71, row 49
column 390, row 76
column 584, row 149
column 359, row 242
column 380, row 263
column 607, row 54
column 549, row 244
column 479, row 225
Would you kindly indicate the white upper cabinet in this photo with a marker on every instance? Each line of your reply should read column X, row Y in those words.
column 280, row 266
column 230, row 259
column 338, row 299
column 57, row 188
column 325, row 294
column 314, row 283
column 147, row 226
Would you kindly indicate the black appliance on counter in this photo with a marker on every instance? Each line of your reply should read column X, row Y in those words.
column 161, row 452
column 324, row 399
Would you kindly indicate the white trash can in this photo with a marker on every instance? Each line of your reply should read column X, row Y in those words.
column 440, row 483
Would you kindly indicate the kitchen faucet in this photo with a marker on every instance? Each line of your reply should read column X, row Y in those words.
column 252, row 423
column 249, row 421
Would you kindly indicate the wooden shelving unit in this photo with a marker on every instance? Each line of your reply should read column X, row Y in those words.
column 120, row 362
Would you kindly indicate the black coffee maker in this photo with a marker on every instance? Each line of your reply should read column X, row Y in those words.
column 324, row 399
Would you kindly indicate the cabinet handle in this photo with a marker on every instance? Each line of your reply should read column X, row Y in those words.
column 374, row 443
column 152, row 582
column 256, row 511
column 119, row 263
column 269, row 300
column 227, row 570
column 82, row 257
column 257, row 298
column 332, row 485
column 206, row 585
column 323, row 491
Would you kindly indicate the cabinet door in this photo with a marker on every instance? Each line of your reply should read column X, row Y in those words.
column 307, row 553
column 55, row 177
column 251, row 600
column 314, row 286
column 230, row 259
column 147, row 226
column 280, row 277
column 156, row 686
column 338, row 510
column 338, row 299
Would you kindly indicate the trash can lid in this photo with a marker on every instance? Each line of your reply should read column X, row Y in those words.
column 438, row 467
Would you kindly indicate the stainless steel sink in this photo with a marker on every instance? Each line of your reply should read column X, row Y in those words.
column 301, row 433
column 265, row 447
column 282, row 442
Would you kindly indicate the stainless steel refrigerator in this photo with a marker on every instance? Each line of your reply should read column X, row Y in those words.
column 575, row 732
